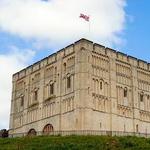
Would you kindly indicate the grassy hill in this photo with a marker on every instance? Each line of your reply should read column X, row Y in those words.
column 75, row 143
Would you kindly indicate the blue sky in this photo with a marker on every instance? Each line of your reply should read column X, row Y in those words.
column 137, row 32
column 33, row 29
column 136, row 35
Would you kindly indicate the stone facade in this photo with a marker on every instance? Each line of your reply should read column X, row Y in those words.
column 84, row 86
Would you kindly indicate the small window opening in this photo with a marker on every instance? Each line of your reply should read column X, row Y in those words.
column 137, row 128
column 141, row 97
column 64, row 67
column 125, row 92
column 100, row 125
column 101, row 85
column 22, row 100
column 69, row 82
column 36, row 95
column 51, row 88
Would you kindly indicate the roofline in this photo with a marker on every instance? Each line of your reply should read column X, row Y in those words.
column 82, row 40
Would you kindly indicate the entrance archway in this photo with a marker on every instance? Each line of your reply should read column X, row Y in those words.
column 48, row 129
column 32, row 132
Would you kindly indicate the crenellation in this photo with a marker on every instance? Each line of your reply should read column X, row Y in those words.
column 69, row 49
column 148, row 66
column 142, row 64
column 133, row 61
column 22, row 74
column 60, row 54
column 84, row 44
column 28, row 70
column 99, row 49
column 36, row 67
column 43, row 62
column 83, row 40
column 52, row 58
column 122, row 57
column 111, row 53
column 15, row 77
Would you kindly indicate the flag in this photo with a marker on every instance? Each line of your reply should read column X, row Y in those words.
column 85, row 17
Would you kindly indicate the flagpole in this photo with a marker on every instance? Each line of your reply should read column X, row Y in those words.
column 89, row 27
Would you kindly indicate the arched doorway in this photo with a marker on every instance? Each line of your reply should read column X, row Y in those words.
column 32, row 132
column 48, row 129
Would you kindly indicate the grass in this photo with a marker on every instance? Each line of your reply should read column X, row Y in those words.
column 75, row 143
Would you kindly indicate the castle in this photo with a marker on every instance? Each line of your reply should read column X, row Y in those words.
column 84, row 86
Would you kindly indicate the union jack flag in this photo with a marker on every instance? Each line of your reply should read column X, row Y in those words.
column 85, row 17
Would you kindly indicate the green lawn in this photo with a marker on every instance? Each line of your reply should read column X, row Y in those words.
column 75, row 143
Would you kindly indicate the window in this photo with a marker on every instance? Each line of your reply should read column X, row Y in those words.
column 31, row 132
column 141, row 97
column 48, row 128
column 51, row 88
column 137, row 128
column 69, row 82
column 101, row 85
column 36, row 95
column 22, row 100
column 64, row 67
column 100, row 125
column 125, row 92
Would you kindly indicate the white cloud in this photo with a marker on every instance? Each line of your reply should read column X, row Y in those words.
column 54, row 22
column 9, row 64
column 58, row 20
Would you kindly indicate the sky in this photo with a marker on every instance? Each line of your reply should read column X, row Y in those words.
column 33, row 29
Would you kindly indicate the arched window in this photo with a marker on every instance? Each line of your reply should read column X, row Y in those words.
column 101, row 85
column 31, row 132
column 64, row 67
column 48, row 128
column 125, row 92
column 141, row 97
column 36, row 95
column 69, row 82
column 100, row 125
column 22, row 100
column 51, row 88
column 137, row 128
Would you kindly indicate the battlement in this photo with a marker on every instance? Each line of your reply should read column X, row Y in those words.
column 97, row 48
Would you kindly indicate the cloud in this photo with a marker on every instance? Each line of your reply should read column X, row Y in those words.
column 50, row 23
column 58, row 20
column 9, row 64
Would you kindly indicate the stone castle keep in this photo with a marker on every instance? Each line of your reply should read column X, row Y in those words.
column 84, row 86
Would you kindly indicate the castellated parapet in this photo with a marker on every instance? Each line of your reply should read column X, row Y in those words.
column 84, row 86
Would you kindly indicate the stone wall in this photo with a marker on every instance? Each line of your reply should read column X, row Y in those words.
column 84, row 86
